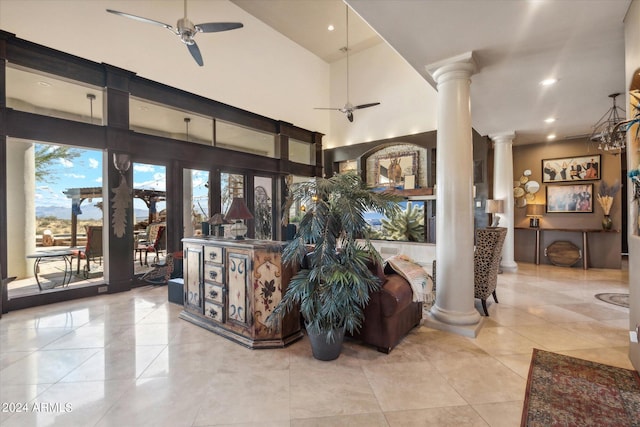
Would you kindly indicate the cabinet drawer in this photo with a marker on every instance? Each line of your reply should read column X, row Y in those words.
column 214, row 311
column 214, row 293
column 213, row 254
column 213, row 273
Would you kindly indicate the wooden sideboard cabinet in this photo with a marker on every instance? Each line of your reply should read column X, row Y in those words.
column 231, row 286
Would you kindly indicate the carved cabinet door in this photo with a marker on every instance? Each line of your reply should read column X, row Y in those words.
column 239, row 276
column 193, row 281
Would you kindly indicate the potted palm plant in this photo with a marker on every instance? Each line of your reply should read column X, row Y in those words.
column 333, row 252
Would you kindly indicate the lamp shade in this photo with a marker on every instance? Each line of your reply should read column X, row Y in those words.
column 238, row 210
column 216, row 219
column 535, row 210
column 494, row 206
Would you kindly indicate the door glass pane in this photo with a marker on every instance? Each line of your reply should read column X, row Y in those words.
column 150, row 215
column 196, row 203
column 55, row 195
column 263, row 206
column 231, row 185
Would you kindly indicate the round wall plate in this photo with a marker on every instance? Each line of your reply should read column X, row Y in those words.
column 532, row 187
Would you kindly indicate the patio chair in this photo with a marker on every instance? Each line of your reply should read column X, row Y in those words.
column 92, row 251
column 153, row 244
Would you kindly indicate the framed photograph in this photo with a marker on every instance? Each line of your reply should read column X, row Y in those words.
column 576, row 198
column 571, row 169
column 392, row 169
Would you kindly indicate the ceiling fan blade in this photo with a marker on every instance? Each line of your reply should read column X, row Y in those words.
column 141, row 19
column 320, row 108
column 360, row 107
column 195, row 52
column 214, row 27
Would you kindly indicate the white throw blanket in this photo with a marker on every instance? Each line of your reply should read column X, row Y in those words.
column 421, row 282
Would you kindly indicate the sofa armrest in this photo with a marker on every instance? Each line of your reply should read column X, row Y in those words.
column 395, row 295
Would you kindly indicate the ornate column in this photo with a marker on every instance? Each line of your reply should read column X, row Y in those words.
column 503, row 190
column 454, row 308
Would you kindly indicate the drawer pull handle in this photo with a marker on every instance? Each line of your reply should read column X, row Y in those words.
column 213, row 255
column 213, row 274
column 213, row 313
column 213, row 293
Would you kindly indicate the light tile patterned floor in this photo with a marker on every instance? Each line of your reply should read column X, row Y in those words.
column 127, row 360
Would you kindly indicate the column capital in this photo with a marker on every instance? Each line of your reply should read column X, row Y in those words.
column 463, row 66
column 503, row 137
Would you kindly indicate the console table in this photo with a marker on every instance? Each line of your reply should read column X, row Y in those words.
column 231, row 287
column 585, row 240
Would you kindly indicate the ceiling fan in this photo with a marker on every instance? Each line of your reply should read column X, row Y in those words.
column 186, row 30
column 349, row 108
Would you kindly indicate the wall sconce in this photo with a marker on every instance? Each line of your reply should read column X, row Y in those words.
column 237, row 212
column 494, row 207
column 534, row 212
column 122, row 162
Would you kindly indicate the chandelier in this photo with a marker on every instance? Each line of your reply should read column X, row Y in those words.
column 607, row 132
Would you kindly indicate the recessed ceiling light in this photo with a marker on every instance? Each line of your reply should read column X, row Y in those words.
column 551, row 136
column 331, row 27
column 44, row 84
column 550, row 120
column 548, row 82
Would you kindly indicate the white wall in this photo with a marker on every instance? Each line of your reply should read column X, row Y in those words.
column 379, row 74
column 254, row 68
column 632, row 61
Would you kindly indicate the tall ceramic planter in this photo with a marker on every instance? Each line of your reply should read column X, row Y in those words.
column 324, row 349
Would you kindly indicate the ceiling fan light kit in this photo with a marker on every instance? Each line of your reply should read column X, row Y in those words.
column 349, row 108
column 186, row 30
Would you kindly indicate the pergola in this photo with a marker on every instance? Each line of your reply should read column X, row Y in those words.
column 85, row 193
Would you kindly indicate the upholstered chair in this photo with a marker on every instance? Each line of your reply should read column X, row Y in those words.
column 486, row 262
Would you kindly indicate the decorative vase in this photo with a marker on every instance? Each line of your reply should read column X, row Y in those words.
column 206, row 229
column 607, row 223
column 324, row 349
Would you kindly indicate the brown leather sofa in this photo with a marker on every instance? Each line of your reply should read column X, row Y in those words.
column 391, row 313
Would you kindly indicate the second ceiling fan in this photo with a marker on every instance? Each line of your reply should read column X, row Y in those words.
column 349, row 108
column 186, row 30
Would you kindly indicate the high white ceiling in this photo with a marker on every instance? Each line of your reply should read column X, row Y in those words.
column 306, row 23
column 516, row 44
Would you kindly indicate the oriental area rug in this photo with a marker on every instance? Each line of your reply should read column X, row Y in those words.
column 565, row 391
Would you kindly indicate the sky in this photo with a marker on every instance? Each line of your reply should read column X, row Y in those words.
column 86, row 171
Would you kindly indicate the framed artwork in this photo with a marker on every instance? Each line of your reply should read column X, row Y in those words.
column 575, row 198
column 571, row 169
column 392, row 169
column 347, row 166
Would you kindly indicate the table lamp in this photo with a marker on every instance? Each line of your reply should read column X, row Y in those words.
column 494, row 207
column 237, row 212
column 534, row 212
